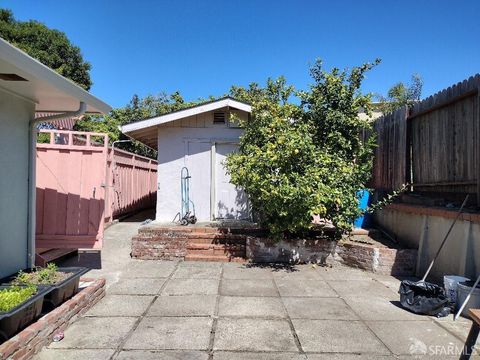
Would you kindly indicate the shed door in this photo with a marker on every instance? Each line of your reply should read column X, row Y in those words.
column 197, row 161
column 231, row 201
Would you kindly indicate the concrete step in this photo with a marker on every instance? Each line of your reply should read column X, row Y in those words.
column 229, row 239
column 214, row 258
column 200, row 231
column 195, row 246
column 214, row 249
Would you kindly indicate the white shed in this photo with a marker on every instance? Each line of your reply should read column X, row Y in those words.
column 26, row 88
column 198, row 138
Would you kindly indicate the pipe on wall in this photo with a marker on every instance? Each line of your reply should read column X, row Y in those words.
column 31, row 176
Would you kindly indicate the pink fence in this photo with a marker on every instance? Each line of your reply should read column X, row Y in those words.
column 132, row 183
column 81, row 185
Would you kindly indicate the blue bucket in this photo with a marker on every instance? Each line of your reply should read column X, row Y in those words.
column 363, row 221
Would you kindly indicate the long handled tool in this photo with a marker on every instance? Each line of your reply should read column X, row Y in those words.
column 422, row 297
column 466, row 299
column 445, row 238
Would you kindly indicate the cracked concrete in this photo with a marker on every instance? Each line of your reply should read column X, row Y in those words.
column 199, row 311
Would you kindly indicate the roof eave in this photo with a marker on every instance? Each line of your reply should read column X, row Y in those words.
column 33, row 67
column 211, row 106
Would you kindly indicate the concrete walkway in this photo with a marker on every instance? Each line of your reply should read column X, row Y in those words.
column 192, row 310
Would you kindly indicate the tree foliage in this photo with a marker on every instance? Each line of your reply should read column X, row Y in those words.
column 297, row 160
column 137, row 109
column 51, row 47
column 401, row 94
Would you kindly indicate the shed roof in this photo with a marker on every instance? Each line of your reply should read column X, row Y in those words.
column 23, row 76
column 146, row 130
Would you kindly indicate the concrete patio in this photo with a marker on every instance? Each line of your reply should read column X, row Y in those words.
column 198, row 310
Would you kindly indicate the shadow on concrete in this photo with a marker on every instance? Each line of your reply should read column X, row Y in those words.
column 273, row 266
column 89, row 258
column 141, row 216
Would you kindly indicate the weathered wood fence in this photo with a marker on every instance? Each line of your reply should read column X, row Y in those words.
column 435, row 145
column 132, row 183
column 82, row 184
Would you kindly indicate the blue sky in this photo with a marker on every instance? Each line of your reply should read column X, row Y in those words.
column 202, row 47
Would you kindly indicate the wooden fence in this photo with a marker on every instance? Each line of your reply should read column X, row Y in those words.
column 82, row 184
column 132, row 183
column 435, row 146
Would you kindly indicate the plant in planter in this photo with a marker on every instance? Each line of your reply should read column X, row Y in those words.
column 47, row 276
column 19, row 306
column 14, row 296
column 63, row 282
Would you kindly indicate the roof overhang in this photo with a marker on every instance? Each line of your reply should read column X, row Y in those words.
column 145, row 131
column 41, row 85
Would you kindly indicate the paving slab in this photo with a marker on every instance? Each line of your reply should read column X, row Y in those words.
column 298, row 272
column 416, row 338
column 229, row 355
column 392, row 282
column 164, row 355
column 380, row 308
column 337, row 336
column 460, row 327
column 318, row 308
column 121, row 305
column 149, row 269
column 191, row 287
column 96, row 333
column 202, row 264
column 259, row 287
column 353, row 288
column 197, row 272
column 237, row 271
column 171, row 333
column 76, row 354
column 304, row 287
column 254, row 335
column 351, row 357
column 188, row 305
column 271, row 307
column 137, row 286
column 339, row 272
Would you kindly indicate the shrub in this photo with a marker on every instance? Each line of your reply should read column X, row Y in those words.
column 295, row 161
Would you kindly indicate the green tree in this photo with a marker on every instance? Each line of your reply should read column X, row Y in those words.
column 331, row 108
column 295, row 161
column 51, row 47
column 401, row 94
column 137, row 109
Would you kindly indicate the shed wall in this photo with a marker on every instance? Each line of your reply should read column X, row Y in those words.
column 15, row 114
column 173, row 139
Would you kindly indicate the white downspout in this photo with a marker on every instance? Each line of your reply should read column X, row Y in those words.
column 31, row 176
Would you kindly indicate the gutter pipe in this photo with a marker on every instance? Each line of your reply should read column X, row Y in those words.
column 32, row 179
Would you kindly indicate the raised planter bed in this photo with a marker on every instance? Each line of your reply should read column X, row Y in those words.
column 20, row 316
column 59, row 291
column 360, row 252
column 32, row 339
column 64, row 289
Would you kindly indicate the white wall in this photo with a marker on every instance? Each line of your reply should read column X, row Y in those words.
column 15, row 114
column 173, row 144
column 461, row 253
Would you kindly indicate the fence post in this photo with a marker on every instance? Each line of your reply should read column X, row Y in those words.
column 477, row 163
column 408, row 149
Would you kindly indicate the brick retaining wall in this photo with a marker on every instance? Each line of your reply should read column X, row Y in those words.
column 374, row 258
column 221, row 244
column 32, row 339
